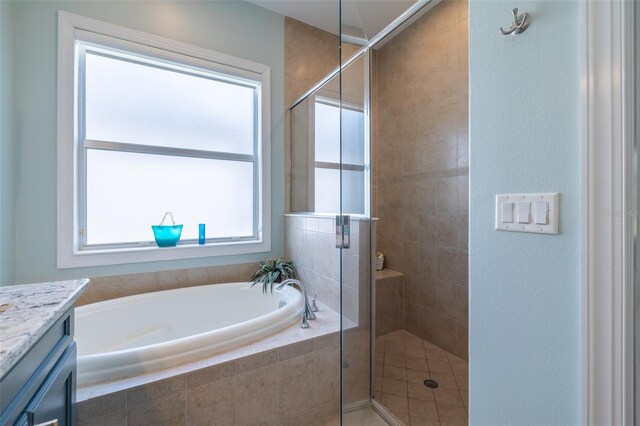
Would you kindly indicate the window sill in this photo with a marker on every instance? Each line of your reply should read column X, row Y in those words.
column 84, row 258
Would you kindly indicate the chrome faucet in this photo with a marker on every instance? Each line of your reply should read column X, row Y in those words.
column 308, row 312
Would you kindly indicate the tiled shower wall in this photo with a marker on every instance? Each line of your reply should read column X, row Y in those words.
column 422, row 181
column 311, row 242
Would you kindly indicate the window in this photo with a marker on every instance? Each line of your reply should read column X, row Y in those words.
column 149, row 126
column 327, row 158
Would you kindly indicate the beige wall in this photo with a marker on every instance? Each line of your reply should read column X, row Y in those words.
column 422, row 163
column 309, row 55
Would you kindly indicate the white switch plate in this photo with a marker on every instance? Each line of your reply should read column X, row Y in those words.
column 550, row 228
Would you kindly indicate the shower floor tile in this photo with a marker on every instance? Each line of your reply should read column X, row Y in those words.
column 362, row 417
column 403, row 362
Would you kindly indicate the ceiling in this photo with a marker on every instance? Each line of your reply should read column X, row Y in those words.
column 360, row 18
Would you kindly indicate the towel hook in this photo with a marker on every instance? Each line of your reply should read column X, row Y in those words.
column 519, row 25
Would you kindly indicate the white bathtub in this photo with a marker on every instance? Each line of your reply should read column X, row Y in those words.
column 137, row 334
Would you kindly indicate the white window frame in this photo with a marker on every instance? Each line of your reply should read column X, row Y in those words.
column 71, row 252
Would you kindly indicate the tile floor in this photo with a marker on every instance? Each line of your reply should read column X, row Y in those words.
column 403, row 362
column 363, row 417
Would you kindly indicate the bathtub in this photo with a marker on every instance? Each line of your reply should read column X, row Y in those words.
column 133, row 335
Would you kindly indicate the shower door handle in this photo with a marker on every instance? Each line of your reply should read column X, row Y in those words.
column 343, row 231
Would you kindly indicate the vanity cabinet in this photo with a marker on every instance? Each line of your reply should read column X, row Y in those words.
column 40, row 389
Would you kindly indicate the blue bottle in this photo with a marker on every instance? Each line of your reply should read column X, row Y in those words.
column 201, row 236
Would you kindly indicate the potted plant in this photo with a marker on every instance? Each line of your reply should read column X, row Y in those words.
column 271, row 272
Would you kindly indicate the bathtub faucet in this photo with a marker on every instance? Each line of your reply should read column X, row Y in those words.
column 308, row 312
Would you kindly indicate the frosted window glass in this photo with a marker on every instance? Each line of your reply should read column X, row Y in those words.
column 327, row 191
column 141, row 104
column 327, row 134
column 129, row 192
column 352, row 136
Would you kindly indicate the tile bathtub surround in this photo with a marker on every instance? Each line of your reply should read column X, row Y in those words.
column 272, row 387
column 274, row 382
column 326, row 323
column 113, row 287
column 28, row 311
column 403, row 362
column 421, row 143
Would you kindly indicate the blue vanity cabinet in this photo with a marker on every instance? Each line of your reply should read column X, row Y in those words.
column 40, row 389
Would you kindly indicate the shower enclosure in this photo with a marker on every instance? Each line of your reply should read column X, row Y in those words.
column 333, row 194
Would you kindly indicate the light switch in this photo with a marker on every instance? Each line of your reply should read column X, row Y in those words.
column 507, row 212
column 524, row 208
column 540, row 212
column 535, row 212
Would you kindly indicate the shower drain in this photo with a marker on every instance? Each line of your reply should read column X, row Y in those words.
column 431, row 383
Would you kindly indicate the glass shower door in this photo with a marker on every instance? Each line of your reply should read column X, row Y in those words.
column 330, row 186
column 636, row 230
column 355, row 222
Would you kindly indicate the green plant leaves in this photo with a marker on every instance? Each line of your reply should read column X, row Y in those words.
column 273, row 272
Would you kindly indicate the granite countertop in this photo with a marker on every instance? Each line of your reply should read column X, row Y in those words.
column 26, row 313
